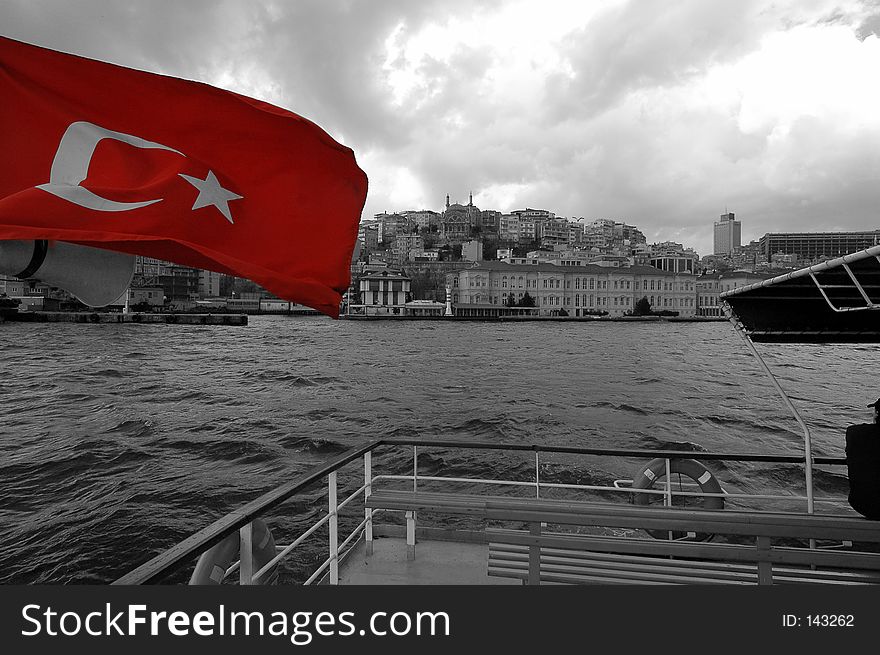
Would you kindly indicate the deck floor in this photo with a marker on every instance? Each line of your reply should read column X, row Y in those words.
column 436, row 563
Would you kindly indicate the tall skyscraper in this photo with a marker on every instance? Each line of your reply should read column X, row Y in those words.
column 728, row 235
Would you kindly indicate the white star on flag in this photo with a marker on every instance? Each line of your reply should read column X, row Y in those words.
column 211, row 193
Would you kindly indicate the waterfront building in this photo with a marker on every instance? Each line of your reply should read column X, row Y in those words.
column 384, row 292
column 12, row 286
column 180, row 284
column 728, row 234
column 243, row 305
column 574, row 290
column 424, row 308
column 816, row 246
column 152, row 296
column 709, row 287
column 209, row 284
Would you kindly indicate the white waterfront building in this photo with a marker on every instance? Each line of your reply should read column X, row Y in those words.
column 578, row 290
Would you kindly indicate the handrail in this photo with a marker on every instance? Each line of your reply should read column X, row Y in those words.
column 808, row 459
column 619, row 452
column 155, row 569
column 151, row 571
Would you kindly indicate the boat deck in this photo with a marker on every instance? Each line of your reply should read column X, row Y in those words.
column 436, row 563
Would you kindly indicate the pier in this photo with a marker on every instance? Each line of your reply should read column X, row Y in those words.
column 137, row 318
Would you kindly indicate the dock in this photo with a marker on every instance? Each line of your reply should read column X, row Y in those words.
column 134, row 317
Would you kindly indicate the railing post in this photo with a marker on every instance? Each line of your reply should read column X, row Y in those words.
column 411, row 516
column 246, row 550
column 667, row 499
column 535, row 555
column 537, row 476
column 368, row 512
column 415, row 468
column 334, row 521
column 765, row 568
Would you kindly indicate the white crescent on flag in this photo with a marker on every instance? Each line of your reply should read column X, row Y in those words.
column 74, row 155
column 71, row 166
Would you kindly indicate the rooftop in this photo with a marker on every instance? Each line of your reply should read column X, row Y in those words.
column 593, row 269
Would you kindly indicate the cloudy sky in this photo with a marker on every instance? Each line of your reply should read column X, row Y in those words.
column 661, row 113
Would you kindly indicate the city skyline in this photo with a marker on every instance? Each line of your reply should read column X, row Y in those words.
column 662, row 115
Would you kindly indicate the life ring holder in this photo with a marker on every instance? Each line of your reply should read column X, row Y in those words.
column 213, row 563
column 689, row 468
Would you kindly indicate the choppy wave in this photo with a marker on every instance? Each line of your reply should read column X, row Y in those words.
column 107, row 459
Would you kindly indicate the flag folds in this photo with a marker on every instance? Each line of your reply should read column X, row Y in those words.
column 115, row 158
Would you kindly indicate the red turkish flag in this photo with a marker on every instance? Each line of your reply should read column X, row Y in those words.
column 115, row 158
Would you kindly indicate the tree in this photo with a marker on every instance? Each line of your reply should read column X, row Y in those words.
column 563, row 312
column 643, row 307
column 510, row 301
column 527, row 300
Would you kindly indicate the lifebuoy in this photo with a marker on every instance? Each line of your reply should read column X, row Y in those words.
column 690, row 468
column 214, row 562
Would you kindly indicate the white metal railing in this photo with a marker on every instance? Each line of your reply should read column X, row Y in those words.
column 247, row 575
